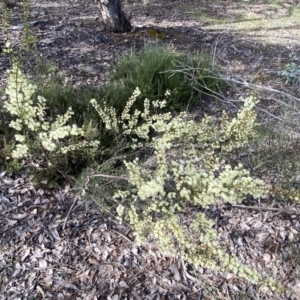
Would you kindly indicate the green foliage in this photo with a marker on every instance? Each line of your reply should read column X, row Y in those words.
column 154, row 72
column 186, row 173
column 291, row 72
column 50, row 84
column 102, row 188
column 47, row 71
column 129, row 123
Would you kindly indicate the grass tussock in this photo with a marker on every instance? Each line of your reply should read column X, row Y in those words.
column 154, row 71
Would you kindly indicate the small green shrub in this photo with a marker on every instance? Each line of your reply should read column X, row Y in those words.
column 154, row 72
column 291, row 72
column 33, row 114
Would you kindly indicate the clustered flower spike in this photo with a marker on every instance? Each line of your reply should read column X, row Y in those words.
column 130, row 122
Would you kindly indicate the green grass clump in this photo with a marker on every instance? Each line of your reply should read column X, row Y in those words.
column 156, row 70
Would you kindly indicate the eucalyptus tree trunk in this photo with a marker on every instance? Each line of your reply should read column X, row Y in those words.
column 113, row 16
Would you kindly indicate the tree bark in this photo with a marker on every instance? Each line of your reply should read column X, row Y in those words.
column 113, row 16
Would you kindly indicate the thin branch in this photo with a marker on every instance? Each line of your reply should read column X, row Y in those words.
column 104, row 176
column 123, row 236
column 102, row 207
column 261, row 87
column 69, row 212
column 278, row 210
column 86, row 183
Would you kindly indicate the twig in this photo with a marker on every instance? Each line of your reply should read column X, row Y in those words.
column 104, row 176
column 261, row 87
column 184, row 271
column 134, row 276
column 110, row 176
column 86, row 183
column 268, row 113
column 122, row 235
column 260, row 211
column 279, row 210
column 267, row 214
column 69, row 212
column 102, row 207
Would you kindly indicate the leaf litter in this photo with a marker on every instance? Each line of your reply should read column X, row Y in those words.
column 93, row 257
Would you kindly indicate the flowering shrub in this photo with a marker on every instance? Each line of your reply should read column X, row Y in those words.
column 166, row 202
column 31, row 120
column 167, row 199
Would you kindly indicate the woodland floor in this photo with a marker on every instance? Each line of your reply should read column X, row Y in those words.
column 91, row 256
